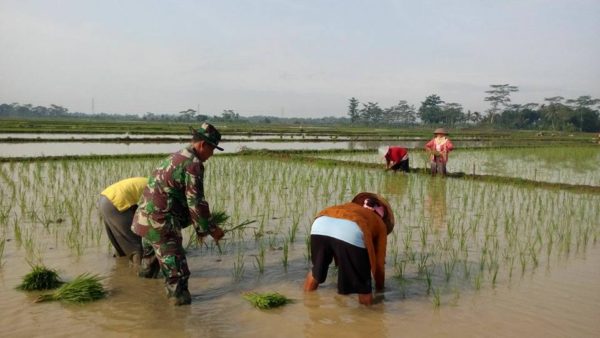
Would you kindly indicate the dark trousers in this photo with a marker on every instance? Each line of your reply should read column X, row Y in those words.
column 402, row 166
column 118, row 228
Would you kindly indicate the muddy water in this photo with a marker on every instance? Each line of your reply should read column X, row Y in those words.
column 560, row 303
column 32, row 149
column 553, row 294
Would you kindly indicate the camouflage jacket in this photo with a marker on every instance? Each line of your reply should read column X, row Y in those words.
column 174, row 196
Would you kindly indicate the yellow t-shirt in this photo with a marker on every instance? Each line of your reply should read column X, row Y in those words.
column 126, row 193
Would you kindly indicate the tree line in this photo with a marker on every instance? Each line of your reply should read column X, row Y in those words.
column 555, row 113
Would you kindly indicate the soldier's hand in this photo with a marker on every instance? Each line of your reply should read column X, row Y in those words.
column 216, row 233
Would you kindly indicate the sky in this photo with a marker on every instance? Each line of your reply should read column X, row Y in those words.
column 292, row 58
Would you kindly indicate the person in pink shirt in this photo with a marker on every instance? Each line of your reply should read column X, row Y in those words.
column 438, row 149
column 396, row 159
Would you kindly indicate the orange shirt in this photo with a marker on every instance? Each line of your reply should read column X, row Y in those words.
column 374, row 231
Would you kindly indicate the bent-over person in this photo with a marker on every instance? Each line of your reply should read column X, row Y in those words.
column 117, row 205
column 355, row 236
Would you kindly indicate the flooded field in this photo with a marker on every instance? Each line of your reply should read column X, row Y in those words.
column 466, row 259
column 36, row 149
column 572, row 164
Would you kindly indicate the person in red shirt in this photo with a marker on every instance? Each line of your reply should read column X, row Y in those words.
column 438, row 149
column 396, row 159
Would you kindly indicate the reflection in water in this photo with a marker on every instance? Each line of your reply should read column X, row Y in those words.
column 435, row 202
column 137, row 305
column 333, row 315
column 394, row 183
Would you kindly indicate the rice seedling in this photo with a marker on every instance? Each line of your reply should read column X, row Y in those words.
column 307, row 253
column 2, row 244
column 40, row 278
column 428, row 278
column 293, row 229
column 260, row 259
column 238, row 267
column 436, row 300
column 267, row 300
column 284, row 260
column 84, row 288
column 449, row 268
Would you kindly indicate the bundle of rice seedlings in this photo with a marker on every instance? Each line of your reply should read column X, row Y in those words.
column 40, row 278
column 219, row 218
column 84, row 288
column 266, row 300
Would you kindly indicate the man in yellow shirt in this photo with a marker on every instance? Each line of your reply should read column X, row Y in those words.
column 117, row 205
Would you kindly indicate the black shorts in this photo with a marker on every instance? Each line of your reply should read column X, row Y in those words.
column 354, row 268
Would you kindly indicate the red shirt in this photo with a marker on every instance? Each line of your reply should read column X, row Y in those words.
column 395, row 154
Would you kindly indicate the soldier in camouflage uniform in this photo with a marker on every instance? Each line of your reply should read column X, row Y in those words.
column 174, row 199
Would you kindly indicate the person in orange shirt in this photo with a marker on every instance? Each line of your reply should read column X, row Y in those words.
column 355, row 235
column 438, row 149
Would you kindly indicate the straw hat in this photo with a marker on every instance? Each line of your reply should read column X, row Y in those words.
column 388, row 219
column 440, row 131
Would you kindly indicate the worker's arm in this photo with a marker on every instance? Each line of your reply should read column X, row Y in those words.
column 198, row 207
column 380, row 241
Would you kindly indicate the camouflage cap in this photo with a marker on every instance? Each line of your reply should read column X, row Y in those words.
column 208, row 133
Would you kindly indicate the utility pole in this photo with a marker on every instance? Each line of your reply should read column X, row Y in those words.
column 93, row 106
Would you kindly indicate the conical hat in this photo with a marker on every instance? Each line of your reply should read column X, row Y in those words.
column 440, row 131
column 388, row 219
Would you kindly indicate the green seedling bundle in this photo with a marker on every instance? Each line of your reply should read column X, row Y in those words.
column 84, row 288
column 267, row 300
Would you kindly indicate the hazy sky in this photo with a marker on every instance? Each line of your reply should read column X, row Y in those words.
column 292, row 57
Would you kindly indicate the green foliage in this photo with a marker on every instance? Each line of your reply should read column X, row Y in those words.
column 219, row 218
column 40, row 278
column 84, row 288
column 353, row 110
column 266, row 300
column 431, row 110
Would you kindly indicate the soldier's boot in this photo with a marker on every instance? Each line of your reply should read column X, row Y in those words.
column 148, row 267
column 178, row 294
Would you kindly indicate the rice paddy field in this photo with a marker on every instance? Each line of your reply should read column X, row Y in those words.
column 557, row 164
column 467, row 258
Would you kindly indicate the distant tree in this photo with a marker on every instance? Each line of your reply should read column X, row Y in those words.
column 230, row 115
column 518, row 116
column 353, row 111
column 56, row 110
column 499, row 98
column 430, row 111
column 371, row 112
column 402, row 113
column 583, row 105
column 553, row 111
column 187, row 115
column 453, row 113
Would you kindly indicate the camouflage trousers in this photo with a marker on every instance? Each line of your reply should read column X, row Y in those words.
column 166, row 249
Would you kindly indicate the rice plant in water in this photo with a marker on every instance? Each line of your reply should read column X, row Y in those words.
column 84, row 288
column 40, row 278
column 266, row 300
